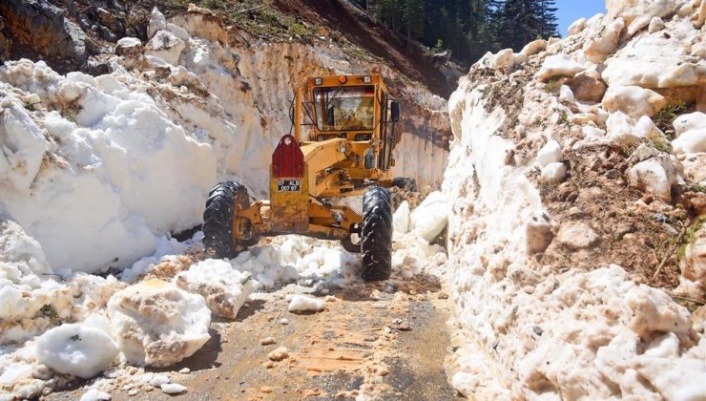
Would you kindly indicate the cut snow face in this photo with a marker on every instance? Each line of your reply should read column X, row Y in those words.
column 572, row 195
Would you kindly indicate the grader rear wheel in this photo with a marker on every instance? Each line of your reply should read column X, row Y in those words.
column 404, row 183
column 224, row 201
column 376, row 235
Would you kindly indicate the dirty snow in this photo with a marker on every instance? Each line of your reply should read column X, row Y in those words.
column 527, row 328
column 303, row 304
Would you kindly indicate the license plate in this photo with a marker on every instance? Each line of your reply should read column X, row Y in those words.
column 289, row 185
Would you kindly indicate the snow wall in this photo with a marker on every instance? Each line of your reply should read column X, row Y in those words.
column 544, row 312
column 97, row 169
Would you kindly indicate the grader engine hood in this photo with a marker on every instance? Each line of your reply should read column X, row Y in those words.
column 289, row 188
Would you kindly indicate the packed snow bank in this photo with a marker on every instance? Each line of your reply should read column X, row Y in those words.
column 543, row 310
column 114, row 163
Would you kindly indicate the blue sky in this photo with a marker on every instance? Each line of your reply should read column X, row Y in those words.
column 571, row 10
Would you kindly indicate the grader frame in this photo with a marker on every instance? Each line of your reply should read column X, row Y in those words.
column 340, row 145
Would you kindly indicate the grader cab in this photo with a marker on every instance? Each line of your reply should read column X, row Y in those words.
column 341, row 145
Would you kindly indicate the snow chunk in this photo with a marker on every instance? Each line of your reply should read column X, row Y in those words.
column 550, row 153
column 690, row 130
column 400, row 219
column 430, row 217
column 654, row 311
column 553, row 173
column 533, row 48
column 279, row 354
column 166, row 46
column 95, row 395
column 158, row 324
column 639, row 14
column 577, row 26
column 693, row 141
column 633, row 101
column 656, row 176
column 157, row 23
column 596, row 50
column 173, row 388
column 159, row 380
column 656, row 25
column 688, row 122
column 701, row 16
column 22, row 145
column 577, row 235
column 675, row 379
column 303, row 304
column 592, row 134
column 558, row 66
column 20, row 254
column 566, row 94
column 502, row 59
column 76, row 350
column 621, row 129
column 224, row 288
column 664, row 60
column 538, row 235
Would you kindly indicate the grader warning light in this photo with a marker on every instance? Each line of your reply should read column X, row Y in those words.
column 341, row 145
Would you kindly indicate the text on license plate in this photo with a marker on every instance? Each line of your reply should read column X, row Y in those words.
column 289, row 185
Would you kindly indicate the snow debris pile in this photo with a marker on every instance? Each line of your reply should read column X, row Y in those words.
column 577, row 176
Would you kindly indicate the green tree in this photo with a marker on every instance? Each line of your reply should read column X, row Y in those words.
column 522, row 21
column 468, row 28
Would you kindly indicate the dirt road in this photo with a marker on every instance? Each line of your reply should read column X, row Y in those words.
column 374, row 342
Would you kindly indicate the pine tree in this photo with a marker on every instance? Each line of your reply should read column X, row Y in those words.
column 549, row 26
column 522, row 21
column 413, row 18
column 469, row 28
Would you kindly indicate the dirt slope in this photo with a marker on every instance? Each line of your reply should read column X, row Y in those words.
column 360, row 29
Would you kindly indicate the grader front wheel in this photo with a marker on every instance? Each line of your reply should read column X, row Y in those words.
column 224, row 201
column 376, row 235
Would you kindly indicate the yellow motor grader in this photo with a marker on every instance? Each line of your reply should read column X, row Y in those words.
column 340, row 145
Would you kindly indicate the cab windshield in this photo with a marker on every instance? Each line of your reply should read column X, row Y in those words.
column 345, row 108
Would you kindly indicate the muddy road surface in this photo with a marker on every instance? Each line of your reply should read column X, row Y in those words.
column 381, row 341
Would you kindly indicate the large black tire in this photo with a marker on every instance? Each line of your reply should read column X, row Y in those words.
column 376, row 235
column 404, row 183
column 224, row 201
